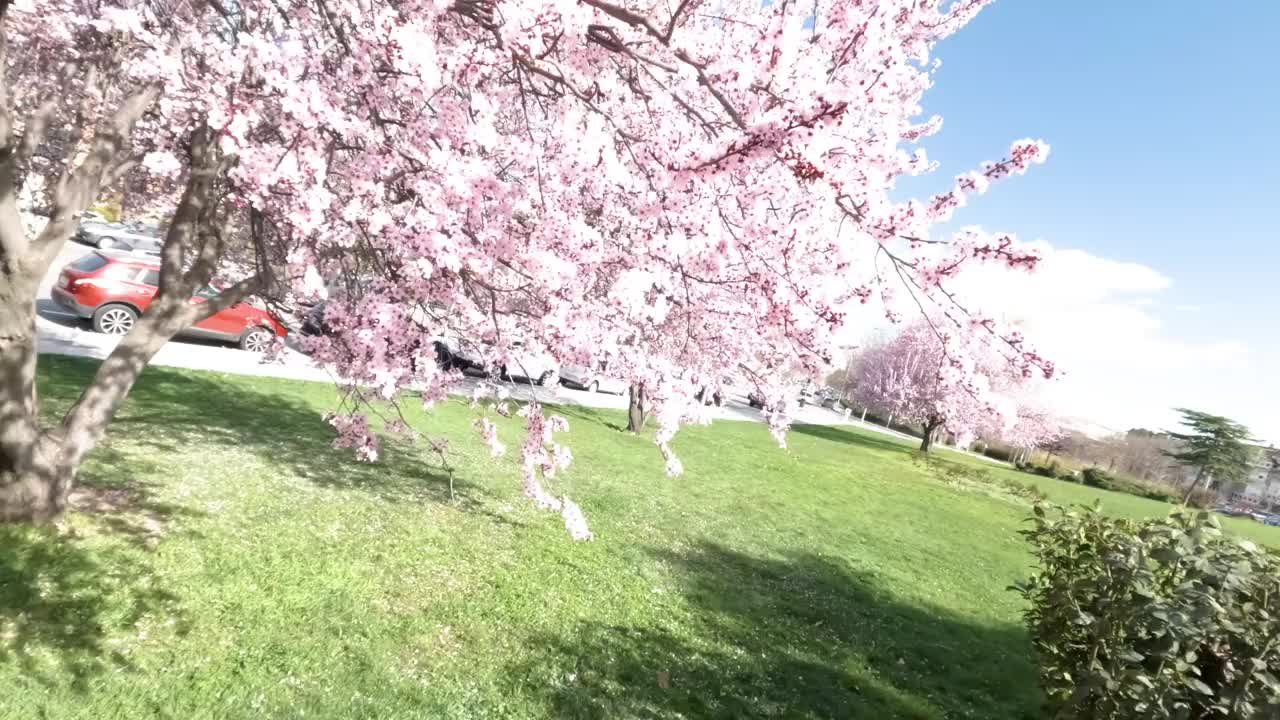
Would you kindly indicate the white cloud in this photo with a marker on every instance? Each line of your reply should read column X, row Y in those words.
column 1101, row 322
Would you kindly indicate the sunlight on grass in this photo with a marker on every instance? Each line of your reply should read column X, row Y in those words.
column 236, row 566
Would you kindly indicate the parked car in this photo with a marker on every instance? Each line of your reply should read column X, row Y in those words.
column 799, row 396
column 716, row 397
column 593, row 380
column 113, row 289
column 313, row 321
column 128, row 236
column 538, row 367
column 806, row 396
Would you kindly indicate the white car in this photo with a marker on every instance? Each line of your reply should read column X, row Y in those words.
column 538, row 367
column 593, row 380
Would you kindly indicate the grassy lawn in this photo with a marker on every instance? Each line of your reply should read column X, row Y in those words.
column 235, row 566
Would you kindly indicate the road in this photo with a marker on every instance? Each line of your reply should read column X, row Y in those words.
column 62, row 333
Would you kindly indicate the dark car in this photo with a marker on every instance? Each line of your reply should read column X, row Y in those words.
column 313, row 321
column 715, row 397
column 114, row 289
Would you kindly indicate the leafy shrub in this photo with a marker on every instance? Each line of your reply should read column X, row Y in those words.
column 1097, row 477
column 1049, row 471
column 1152, row 619
column 112, row 211
column 1002, row 454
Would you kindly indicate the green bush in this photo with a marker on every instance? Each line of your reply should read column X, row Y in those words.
column 995, row 452
column 1099, row 478
column 1152, row 619
column 1049, row 471
column 109, row 210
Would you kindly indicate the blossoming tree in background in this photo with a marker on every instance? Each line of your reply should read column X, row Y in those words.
column 683, row 190
column 1035, row 427
column 949, row 382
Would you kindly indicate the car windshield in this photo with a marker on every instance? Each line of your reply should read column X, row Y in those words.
column 89, row 263
column 208, row 292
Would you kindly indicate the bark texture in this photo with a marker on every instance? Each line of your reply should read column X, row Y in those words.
column 39, row 461
column 636, row 414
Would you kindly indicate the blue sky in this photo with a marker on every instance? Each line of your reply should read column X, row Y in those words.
column 1165, row 169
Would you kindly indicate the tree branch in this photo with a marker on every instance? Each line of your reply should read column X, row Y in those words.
column 75, row 191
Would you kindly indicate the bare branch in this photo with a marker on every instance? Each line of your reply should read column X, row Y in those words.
column 75, row 191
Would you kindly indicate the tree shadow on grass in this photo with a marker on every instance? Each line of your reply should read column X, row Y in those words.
column 168, row 411
column 796, row 636
column 866, row 440
column 60, row 601
column 63, row 593
column 606, row 417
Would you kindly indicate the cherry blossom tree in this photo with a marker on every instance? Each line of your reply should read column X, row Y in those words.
column 684, row 190
column 943, row 382
column 1033, row 427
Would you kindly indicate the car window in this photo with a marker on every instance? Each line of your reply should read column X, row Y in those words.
column 120, row 271
column 89, row 263
column 207, row 292
column 149, row 277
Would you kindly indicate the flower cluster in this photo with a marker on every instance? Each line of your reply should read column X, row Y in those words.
column 625, row 182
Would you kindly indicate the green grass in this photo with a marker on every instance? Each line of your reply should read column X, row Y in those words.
column 239, row 567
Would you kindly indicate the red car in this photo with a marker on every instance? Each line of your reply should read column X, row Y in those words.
column 113, row 289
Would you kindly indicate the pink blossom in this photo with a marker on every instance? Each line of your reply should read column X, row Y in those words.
column 489, row 432
column 574, row 521
column 162, row 163
column 710, row 220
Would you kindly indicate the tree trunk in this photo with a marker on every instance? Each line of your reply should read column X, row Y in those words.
column 1195, row 484
column 926, row 443
column 38, row 466
column 28, row 486
column 636, row 410
column 864, row 416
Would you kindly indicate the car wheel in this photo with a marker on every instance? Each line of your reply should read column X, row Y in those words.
column 256, row 339
column 114, row 319
column 594, row 386
column 106, row 243
column 545, row 379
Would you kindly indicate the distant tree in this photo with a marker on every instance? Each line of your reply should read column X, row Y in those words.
column 1035, row 427
column 920, row 377
column 1217, row 447
column 837, row 380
